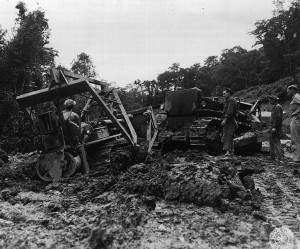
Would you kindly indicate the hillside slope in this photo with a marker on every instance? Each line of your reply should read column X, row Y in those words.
column 277, row 88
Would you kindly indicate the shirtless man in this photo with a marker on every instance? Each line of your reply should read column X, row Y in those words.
column 69, row 114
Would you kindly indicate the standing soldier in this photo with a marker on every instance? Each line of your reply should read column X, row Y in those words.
column 295, row 122
column 275, row 128
column 229, row 123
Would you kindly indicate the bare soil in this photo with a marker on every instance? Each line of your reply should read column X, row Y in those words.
column 178, row 200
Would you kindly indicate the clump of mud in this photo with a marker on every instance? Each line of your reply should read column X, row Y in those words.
column 205, row 181
column 19, row 174
column 189, row 177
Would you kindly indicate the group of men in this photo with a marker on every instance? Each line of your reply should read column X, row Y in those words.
column 229, row 124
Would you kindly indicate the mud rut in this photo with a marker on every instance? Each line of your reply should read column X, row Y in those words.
column 180, row 200
column 281, row 192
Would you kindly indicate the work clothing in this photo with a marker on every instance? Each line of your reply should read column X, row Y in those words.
column 295, row 127
column 295, row 105
column 230, row 124
column 275, row 131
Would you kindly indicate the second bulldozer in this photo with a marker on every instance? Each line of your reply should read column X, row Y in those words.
column 188, row 119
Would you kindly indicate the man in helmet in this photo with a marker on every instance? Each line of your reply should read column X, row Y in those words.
column 69, row 114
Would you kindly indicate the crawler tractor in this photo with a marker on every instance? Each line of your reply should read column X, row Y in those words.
column 189, row 119
column 64, row 146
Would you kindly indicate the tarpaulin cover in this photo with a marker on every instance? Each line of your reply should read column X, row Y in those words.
column 182, row 102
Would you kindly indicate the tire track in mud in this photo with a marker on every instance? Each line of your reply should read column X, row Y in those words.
column 281, row 194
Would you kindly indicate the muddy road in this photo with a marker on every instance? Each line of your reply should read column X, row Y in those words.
column 178, row 200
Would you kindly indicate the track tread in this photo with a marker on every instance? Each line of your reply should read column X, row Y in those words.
column 283, row 203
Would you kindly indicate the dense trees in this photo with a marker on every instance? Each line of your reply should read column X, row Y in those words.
column 235, row 67
column 25, row 62
column 25, row 58
column 280, row 38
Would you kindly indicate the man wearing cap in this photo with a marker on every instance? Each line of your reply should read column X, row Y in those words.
column 229, row 123
column 275, row 128
column 69, row 114
column 295, row 122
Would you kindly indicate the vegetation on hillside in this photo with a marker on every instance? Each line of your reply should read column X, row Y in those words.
column 277, row 88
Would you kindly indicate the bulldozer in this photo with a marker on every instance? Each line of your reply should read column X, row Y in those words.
column 64, row 146
column 188, row 119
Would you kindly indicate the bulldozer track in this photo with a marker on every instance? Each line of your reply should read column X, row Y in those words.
column 281, row 192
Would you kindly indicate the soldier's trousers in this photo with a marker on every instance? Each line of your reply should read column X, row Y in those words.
column 228, row 132
column 275, row 145
column 295, row 138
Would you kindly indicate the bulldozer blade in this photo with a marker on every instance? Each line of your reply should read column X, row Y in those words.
column 49, row 166
column 56, row 165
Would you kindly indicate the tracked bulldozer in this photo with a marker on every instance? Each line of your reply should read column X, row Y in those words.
column 64, row 146
column 190, row 120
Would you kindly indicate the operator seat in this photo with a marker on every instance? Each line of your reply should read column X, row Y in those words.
column 72, row 133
